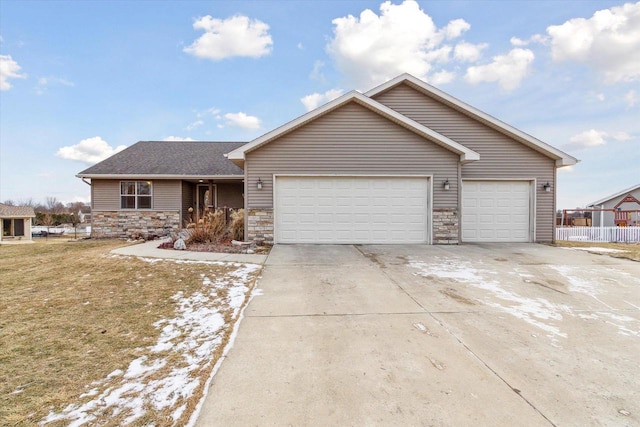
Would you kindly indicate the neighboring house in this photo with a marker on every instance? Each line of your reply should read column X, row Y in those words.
column 16, row 223
column 402, row 163
column 624, row 207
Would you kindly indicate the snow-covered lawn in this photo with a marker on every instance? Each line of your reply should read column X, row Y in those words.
column 172, row 374
column 598, row 249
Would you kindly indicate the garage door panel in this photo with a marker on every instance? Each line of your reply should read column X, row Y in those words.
column 351, row 210
column 496, row 211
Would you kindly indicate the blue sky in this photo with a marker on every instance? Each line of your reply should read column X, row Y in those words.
column 80, row 80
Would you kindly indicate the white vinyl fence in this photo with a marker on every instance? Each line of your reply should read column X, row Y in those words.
column 599, row 234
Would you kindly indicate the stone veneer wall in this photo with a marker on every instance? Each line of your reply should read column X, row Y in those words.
column 260, row 225
column 445, row 226
column 145, row 224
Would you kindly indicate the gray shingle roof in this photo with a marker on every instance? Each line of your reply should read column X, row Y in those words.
column 8, row 211
column 188, row 158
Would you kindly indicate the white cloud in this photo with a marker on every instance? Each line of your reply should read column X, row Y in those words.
column 316, row 73
column 45, row 82
column 300, row 46
column 594, row 138
column 631, row 98
column 566, row 169
column 455, row 28
column 442, row 77
column 600, row 97
column 9, row 69
column 536, row 38
column 242, row 120
column 468, row 52
column 609, row 41
column 235, row 36
column 209, row 111
column 177, row 138
column 372, row 48
column 508, row 70
column 313, row 101
column 193, row 125
column 90, row 150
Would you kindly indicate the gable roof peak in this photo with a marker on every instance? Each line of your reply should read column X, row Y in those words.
column 626, row 191
column 466, row 154
column 561, row 158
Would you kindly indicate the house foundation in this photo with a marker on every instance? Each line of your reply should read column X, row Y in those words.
column 134, row 224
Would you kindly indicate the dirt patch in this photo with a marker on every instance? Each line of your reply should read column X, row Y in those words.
column 371, row 257
column 452, row 293
column 630, row 251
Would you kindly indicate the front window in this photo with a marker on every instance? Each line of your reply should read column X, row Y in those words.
column 12, row 227
column 135, row 195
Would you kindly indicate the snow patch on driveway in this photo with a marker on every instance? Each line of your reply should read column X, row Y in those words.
column 534, row 311
column 538, row 312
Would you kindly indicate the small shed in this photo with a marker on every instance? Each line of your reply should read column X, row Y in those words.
column 16, row 223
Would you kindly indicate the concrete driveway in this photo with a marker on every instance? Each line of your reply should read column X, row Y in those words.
column 518, row 334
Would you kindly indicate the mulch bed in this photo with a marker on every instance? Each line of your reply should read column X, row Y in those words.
column 223, row 246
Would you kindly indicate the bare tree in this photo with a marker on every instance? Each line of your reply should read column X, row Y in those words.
column 54, row 206
column 75, row 207
column 47, row 220
column 9, row 202
column 27, row 202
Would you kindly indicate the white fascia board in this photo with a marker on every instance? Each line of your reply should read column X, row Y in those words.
column 466, row 155
column 562, row 158
column 621, row 193
column 156, row 176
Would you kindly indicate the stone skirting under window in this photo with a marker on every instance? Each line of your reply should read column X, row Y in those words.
column 136, row 224
column 446, row 226
column 260, row 225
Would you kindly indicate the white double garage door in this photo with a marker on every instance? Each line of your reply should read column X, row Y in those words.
column 391, row 210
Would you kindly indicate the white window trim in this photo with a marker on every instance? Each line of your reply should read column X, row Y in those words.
column 136, row 181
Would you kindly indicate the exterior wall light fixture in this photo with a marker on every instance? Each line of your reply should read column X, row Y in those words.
column 446, row 185
column 547, row 187
column 259, row 184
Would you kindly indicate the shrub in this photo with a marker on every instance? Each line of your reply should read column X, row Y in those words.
column 236, row 227
column 211, row 229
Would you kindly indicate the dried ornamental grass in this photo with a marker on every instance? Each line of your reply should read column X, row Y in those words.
column 236, row 227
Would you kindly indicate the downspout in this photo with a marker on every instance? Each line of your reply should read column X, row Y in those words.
column 459, row 204
column 602, row 216
column 86, row 182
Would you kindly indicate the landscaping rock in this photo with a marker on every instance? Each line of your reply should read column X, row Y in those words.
column 179, row 245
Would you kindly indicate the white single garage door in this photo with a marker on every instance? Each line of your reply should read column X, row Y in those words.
column 351, row 210
column 496, row 211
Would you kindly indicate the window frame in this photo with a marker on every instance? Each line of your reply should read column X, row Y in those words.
column 136, row 195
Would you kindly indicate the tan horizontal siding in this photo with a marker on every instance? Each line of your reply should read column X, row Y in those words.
column 167, row 195
column 105, row 194
column 351, row 140
column 500, row 156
